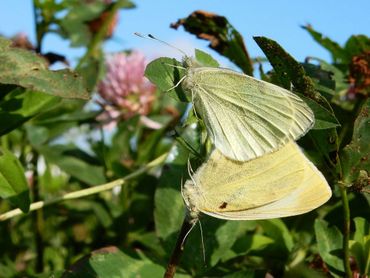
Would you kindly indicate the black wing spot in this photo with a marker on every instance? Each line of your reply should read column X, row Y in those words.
column 223, row 206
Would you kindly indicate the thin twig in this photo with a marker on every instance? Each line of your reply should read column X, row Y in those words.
column 99, row 36
column 346, row 231
column 88, row 191
column 179, row 248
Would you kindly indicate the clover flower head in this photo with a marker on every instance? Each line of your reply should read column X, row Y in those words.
column 124, row 90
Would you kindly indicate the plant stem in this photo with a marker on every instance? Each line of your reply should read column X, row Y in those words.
column 346, row 231
column 100, row 35
column 39, row 29
column 38, row 219
column 88, row 191
column 179, row 248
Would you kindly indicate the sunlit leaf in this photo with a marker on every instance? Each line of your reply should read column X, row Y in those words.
column 26, row 69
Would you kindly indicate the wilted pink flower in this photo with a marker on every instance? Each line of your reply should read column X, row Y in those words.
column 125, row 90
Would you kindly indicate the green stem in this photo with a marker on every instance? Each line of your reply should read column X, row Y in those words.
column 88, row 191
column 100, row 35
column 346, row 231
column 39, row 28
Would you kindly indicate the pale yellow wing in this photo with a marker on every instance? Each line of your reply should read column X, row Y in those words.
column 283, row 183
column 245, row 117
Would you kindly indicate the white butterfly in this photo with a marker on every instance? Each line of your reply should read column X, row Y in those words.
column 245, row 117
column 279, row 184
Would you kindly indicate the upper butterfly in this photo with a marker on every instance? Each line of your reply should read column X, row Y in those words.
column 245, row 117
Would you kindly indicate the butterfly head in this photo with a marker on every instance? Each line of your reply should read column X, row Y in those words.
column 189, row 62
column 190, row 195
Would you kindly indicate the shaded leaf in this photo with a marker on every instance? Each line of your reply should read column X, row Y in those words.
column 339, row 55
column 169, row 206
column 13, row 183
column 329, row 241
column 324, row 119
column 111, row 262
column 356, row 155
column 360, row 245
column 223, row 37
column 19, row 106
column 78, row 165
column 251, row 243
column 278, row 231
column 26, row 69
column 165, row 73
column 357, row 45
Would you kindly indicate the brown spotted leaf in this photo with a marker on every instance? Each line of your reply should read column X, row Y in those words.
column 28, row 70
column 355, row 157
column 223, row 37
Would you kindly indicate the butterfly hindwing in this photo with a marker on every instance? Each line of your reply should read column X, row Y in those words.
column 283, row 183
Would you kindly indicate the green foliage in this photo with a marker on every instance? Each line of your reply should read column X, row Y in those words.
column 24, row 68
column 360, row 245
column 356, row 155
column 51, row 129
column 13, row 184
column 110, row 262
column 19, row 105
column 329, row 240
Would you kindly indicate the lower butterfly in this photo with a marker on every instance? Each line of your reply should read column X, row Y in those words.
column 279, row 184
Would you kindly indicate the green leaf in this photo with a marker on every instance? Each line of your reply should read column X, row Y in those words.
column 205, row 59
column 289, row 70
column 110, row 262
column 329, row 241
column 13, row 183
column 251, row 243
column 165, row 73
column 356, row 155
column 75, row 24
column 360, row 246
column 223, row 37
column 169, row 209
column 26, row 69
column 77, row 164
column 324, row 119
column 339, row 55
column 278, row 231
column 242, row 274
column 224, row 237
column 357, row 44
column 19, row 106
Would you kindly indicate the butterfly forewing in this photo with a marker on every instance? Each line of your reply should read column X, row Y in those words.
column 245, row 117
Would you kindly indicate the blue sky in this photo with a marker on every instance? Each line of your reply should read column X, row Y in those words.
column 279, row 20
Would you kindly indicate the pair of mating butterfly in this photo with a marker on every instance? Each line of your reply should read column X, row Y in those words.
column 256, row 171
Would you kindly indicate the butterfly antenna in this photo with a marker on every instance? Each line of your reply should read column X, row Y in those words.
column 150, row 36
column 182, row 187
column 191, row 172
column 178, row 83
column 202, row 240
